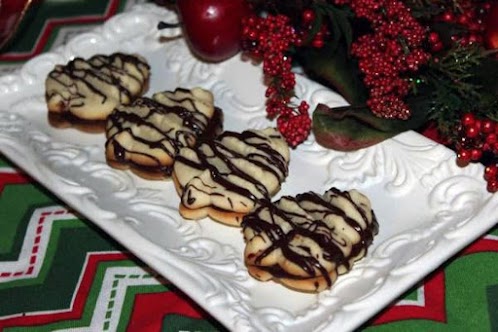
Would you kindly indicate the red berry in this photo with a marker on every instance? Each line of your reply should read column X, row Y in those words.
column 492, row 186
column 491, row 138
column 468, row 119
column 472, row 132
column 318, row 43
column 475, row 154
column 303, row 107
column 448, row 16
column 473, row 38
column 433, row 38
column 478, row 124
column 464, row 156
column 462, row 19
column 488, row 126
column 490, row 172
column 436, row 47
column 308, row 16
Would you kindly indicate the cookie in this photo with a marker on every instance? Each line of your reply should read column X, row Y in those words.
column 91, row 89
column 148, row 134
column 305, row 242
column 225, row 178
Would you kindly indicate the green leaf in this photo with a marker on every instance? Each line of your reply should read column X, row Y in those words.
column 336, row 30
column 339, row 20
column 342, row 16
column 336, row 70
column 350, row 128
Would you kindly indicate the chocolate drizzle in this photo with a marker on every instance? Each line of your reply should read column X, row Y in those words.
column 319, row 234
column 90, row 89
column 162, row 128
column 226, row 159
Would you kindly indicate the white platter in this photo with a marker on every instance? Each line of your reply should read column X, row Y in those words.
column 428, row 208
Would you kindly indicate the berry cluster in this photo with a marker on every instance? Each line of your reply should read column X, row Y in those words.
column 318, row 38
column 477, row 137
column 469, row 16
column 389, row 54
column 270, row 38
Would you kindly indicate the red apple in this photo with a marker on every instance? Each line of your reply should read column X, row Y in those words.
column 212, row 28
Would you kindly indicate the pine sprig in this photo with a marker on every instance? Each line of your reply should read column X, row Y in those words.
column 460, row 59
column 456, row 89
column 428, row 6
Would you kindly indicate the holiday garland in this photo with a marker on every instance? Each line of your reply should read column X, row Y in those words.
column 270, row 38
column 427, row 65
column 400, row 65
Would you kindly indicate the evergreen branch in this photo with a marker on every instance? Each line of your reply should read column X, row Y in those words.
column 428, row 9
column 456, row 70
column 454, row 86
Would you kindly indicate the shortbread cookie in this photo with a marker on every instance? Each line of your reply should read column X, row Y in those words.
column 225, row 178
column 305, row 242
column 148, row 134
column 91, row 89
